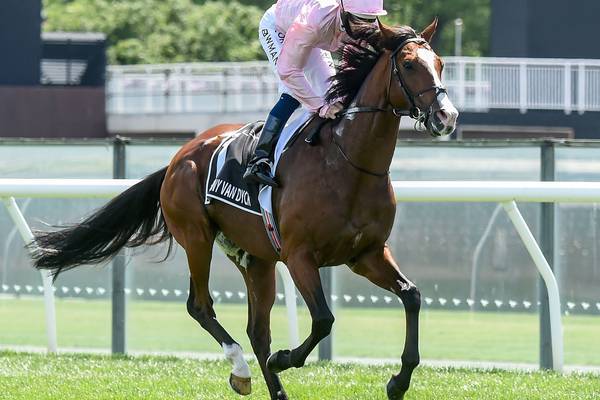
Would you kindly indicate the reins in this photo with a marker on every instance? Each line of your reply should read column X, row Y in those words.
column 364, row 171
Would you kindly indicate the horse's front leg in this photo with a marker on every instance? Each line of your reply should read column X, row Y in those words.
column 305, row 274
column 381, row 269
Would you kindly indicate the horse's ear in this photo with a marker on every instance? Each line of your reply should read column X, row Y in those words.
column 386, row 34
column 428, row 33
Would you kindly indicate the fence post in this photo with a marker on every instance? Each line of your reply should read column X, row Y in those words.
column 119, row 314
column 167, row 92
column 462, row 83
column 225, row 90
column 547, row 239
column 581, row 88
column 326, row 345
column 21, row 224
column 480, row 105
column 567, row 79
column 291, row 306
column 523, row 103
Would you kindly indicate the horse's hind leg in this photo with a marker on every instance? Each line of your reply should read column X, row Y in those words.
column 381, row 269
column 200, row 307
column 260, row 281
column 190, row 224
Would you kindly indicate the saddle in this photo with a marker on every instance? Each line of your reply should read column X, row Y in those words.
column 229, row 161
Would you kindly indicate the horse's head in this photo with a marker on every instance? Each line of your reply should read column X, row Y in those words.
column 416, row 79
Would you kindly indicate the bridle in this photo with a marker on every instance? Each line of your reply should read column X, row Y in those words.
column 415, row 112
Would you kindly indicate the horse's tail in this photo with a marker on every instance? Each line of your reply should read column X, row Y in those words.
column 130, row 219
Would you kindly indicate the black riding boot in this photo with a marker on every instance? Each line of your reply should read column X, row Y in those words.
column 259, row 167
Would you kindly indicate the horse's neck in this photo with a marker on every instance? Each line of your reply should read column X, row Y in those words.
column 369, row 138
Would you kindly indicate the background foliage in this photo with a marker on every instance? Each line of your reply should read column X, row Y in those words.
column 419, row 13
column 166, row 31
column 162, row 31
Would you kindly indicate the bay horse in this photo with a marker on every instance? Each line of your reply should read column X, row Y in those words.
column 335, row 206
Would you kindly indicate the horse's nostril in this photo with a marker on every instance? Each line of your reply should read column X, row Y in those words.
column 442, row 116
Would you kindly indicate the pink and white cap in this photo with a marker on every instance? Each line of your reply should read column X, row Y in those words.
column 364, row 8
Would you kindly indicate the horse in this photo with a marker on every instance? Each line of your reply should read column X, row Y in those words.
column 335, row 206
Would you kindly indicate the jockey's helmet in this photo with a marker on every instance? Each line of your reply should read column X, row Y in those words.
column 366, row 9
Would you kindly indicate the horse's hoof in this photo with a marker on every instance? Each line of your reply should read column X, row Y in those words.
column 394, row 392
column 279, row 361
column 239, row 385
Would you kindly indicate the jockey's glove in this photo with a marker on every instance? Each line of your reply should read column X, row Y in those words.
column 330, row 110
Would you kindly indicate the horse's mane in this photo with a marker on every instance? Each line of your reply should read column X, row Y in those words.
column 357, row 60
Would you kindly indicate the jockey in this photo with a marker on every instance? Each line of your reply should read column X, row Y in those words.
column 298, row 36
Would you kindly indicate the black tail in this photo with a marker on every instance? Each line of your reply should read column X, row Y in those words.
column 130, row 219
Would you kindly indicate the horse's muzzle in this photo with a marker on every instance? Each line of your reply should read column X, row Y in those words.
column 443, row 122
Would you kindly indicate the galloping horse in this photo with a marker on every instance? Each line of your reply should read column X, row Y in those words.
column 335, row 206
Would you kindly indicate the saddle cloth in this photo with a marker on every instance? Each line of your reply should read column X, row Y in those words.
column 229, row 161
column 227, row 166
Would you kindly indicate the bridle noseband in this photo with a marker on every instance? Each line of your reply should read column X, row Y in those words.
column 415, row 112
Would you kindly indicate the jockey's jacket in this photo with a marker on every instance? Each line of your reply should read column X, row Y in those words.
column 308, row 24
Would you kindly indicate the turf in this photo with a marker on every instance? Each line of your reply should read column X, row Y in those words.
column 366, row 332
column 26, row 376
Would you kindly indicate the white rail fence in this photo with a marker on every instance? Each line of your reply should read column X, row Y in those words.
column 481, row 84
column 476, row 84
column 506, row 193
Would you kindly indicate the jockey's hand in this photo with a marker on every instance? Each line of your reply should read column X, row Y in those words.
column 330, row 110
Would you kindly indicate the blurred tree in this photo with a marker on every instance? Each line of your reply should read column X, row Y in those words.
column 262, row 4
column 162, row 31
column 419, row 13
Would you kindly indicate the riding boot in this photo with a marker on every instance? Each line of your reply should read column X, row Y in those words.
column 259, row 167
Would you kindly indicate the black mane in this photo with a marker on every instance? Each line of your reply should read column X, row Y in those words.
column 358, row 60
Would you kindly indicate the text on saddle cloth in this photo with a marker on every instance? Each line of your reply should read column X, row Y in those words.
column 226, row 168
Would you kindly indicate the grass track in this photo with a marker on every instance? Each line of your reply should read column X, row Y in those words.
column 26, row 377
column 367, row 332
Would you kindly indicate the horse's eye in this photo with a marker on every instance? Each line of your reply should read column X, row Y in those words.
column 407, row 65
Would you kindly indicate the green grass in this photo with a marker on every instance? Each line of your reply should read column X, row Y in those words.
column 368, row 332
column 26, row 377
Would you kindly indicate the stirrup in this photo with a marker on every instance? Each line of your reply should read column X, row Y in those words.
column 259, row 171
